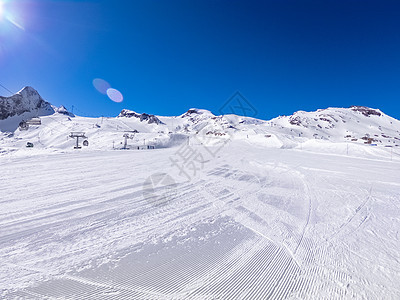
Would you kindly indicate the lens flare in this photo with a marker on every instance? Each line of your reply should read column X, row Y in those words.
column 104, row 87
column 101, row 85
column 15, row 22
column 1, row 10
column 115, row 95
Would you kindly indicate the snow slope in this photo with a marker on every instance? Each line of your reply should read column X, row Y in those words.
column 226, row 207
column 253, row 223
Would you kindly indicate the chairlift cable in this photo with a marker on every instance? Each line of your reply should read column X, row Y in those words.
column 6, row 89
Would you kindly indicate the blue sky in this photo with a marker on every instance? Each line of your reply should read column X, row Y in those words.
column 168, row 56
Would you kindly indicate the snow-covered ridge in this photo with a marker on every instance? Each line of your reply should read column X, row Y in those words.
column 24, row 105
column 26, row 100
column 197, row 112
column 150, row 119
column 356, row 124
column 63, row 110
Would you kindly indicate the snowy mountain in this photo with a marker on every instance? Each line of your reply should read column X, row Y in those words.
column 355, row 124
column 150, row 119
column 63, row 110
column 25, row 104
column 324, row 129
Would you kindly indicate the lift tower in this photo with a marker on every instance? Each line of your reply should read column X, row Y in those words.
column 77, row 135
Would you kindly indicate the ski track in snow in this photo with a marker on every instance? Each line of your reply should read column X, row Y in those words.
column 255, row 223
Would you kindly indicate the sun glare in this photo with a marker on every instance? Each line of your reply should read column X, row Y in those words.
column 1, row 9
column 9, row 16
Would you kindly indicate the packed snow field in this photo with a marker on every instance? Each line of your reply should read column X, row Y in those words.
column 252, row 223
column 225, row 207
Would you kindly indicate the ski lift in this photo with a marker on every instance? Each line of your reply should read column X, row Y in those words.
column 85, row 143
column 77, row 135
column 34, row 121
column 23, row 126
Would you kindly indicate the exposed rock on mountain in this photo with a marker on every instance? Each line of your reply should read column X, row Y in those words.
column 26, row 100
column 22, row 106
column 63, row 110
column 366, row 111
column 150, row 119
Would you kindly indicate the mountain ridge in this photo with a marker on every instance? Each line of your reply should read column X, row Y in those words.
column 356, row 124
column 26, row 100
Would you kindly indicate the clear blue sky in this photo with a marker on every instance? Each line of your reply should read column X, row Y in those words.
column 168, row 56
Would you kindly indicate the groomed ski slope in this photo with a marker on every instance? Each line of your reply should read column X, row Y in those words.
column 253, row 223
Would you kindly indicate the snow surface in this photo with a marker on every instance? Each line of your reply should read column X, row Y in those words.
column 254, row 223
column 225, row 207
